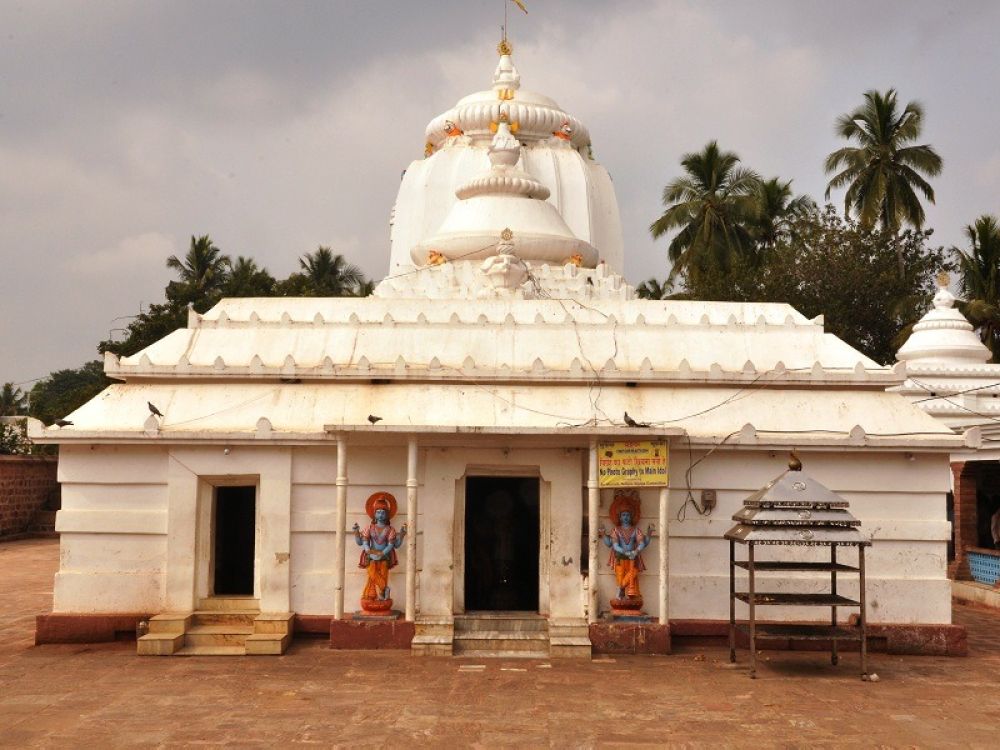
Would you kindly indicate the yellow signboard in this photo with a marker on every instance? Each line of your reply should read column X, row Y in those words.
column 634, row 463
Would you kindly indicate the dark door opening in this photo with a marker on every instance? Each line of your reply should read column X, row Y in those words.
column 501, row 543
column 235, row 527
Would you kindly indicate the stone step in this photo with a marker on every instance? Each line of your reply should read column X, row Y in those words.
column 506, row 622
column 230, row 603
column 487, row 641
column 159, row 644
column 212, row 651
column 220, row 617
column 267, row 644
column 218, row 635
column 474, row 654
column 274, row 623
column 169, row 622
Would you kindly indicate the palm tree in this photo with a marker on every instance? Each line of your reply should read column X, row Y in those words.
column 653, row 289
column 980, row 270
column 202, row 272
column 710, row 207
column 246, row 279
column 329, row 275
column 884, row 173
column 775, row 207
column 13, row 401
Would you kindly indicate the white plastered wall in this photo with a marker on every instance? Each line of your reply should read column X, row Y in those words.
column 113, row 529
column 900, row 502
column 314, row 472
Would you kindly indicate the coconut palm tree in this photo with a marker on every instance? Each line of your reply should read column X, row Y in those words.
column 13, row 401
column 246, row 279
column 775, row 206
column 201, row 274
column 653, row 289
column 884, row 173
column 710, row 208
column 979, row 267
column 329, row 275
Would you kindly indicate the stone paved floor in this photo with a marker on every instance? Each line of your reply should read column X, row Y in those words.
column 104, row 696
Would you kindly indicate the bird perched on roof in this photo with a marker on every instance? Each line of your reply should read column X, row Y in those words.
column 153, row 410
column 63, row 423
column 794, row 464
column 632, row 423
column 373, row 419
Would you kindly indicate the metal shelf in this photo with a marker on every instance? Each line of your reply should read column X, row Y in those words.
column 802, row 632
column 817, row 567
column 803, row 600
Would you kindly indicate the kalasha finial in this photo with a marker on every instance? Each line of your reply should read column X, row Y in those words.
column 943, row 279
column 794, row 464
column 506, row 235
column 504, row 48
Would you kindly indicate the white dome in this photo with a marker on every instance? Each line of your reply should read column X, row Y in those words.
column 943, row 336
column 555, row 153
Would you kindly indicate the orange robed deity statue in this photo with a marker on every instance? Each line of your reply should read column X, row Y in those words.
column 378, row 543
column 626, row 541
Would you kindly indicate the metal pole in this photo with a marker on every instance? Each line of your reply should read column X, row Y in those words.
column 833, row 610
column 411, row 537
column 593, row 508
column 664, row 560
column 339, row 548
column 732, row 600
column 864, row 615
column 750, row 601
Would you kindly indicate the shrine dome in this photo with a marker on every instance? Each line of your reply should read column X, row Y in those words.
column 943, row 336
column 553, row 165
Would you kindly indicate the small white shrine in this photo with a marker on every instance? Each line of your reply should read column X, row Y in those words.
column 950, row 377
column 481, row 387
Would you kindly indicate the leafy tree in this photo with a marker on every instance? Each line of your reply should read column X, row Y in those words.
column 979, row 267
column 329, row 275
column 775, row 207
column 13, row 401
column 365, row 288
column 831, row 266
column 246, row 279
column 147, row 328
column 710, row 208
column 65, row 391
column 653, row 289
column 14, row 438
column 884, row 172
column 202, row 275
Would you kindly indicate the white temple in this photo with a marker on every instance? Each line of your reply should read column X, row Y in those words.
column 477, row 386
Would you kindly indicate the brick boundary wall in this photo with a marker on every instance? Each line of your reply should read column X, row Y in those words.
column 26, row 484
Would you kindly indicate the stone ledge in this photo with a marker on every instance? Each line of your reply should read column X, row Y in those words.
column 358, row 634
column 629, row 638
column 316, row 626
column 917, row 639
column 86, row 628
column 972, row 592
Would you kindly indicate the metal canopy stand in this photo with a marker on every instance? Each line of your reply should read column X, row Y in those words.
column 795, row 510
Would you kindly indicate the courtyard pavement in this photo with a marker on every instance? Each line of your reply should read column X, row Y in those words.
column 104, row 696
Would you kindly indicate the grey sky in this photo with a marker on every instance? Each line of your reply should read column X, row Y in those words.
column 126, row 127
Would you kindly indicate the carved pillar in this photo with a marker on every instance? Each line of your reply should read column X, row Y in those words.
column 339, row 549
column 411, row 537
column 664, row 559
column 593, row 508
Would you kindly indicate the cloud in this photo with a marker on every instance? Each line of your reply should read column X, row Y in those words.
column 135, row 254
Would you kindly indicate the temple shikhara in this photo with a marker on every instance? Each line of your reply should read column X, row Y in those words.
column 501, row 451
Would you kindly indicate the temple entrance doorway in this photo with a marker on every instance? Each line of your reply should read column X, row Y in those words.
column 501, row 543
column 234, row 530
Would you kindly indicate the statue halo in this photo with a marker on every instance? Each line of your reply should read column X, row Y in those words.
column 380, row 500
column 625, row 500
